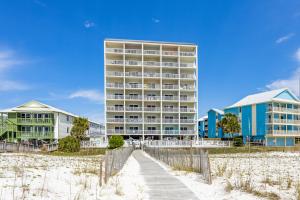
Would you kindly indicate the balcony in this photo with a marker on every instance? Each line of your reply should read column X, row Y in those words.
column 152, row 63
column 35, row 135
column 152, row 132
column 170, row 75
column 114, row 74
column 283, row 109
column 115, row 97
column 134, row 97
column 115, row 108
column 133, row 63
column 166, row 109
column 187, row 87
column 284, row 132
column 115, row 132
column 114, row 62
column 170, row 87
column 170, row 53
column 152, row 52
column 170, row 132
column 133, row 51
column 170, row 121
column 134, row 86
column 187, row 132
column 187, row 121
column 134, row 120
column 134, row 132
column 115, row 120
column 134, row 109
column 170, row 64
column 152, row 75
column 152, row 98
column 187, row 110
column 115, row 85
column 192, row 99
column 133, row 74
column 170, row 98
column 284, row 121
column 187, row 54
column 152, row 86
column 152, row 109
column 35, row 121
column 151, row 120
column 114, row 50
column 187, row 76
column 187, row 65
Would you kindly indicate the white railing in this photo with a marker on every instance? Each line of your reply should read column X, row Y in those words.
column 151, row 74
column 115, row 119
column 170, row 98
column 187, row 132
column 151, row 52
column 188, row 121
column 133, row 51
column 170, row 64
column 133, row 132
column 114, row 50
column 151, row 86
column 283, row 109
column 187, row 87
column 186, row 143
column 166, row 109
column 187, row 109
column 115, row 132
column 93, row 144
column 187, row 53
column 134, row 86
column 170, row 53
column 133, row 62
column 152, row 132
column 133, row 74
column 170, row 87
column 187, row 98
column 151, row 109
column 188, row 76
column 134, row 120
column 114, row 62
column 149, row 120
column 170, row 132
column 112, row 73
column 115, row 108
column 152, row 63
column 170, row 120
column 114, row 85
column 192, row 65
column 170, row 75
column 109, row 96
column 155, row 98
column 134, row 108
column 134, row 97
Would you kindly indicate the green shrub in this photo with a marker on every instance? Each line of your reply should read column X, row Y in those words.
column 116, row 141
column 237, row 141
column 69, row 144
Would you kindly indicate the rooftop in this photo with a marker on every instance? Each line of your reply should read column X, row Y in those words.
column 148, row 41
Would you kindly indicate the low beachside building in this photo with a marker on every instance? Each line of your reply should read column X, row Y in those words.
column 214, row 116
column 35, row 121
column 203, row 127
column 271, row 117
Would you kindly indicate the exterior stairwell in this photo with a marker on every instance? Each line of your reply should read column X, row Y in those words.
column 7, row 126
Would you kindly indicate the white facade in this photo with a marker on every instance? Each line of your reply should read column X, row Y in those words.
column 151, row 89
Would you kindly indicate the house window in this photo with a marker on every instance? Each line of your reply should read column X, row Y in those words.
column 67, row 129
column 151, row 128
column 68, row 118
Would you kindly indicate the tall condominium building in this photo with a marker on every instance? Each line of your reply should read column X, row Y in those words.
column 151, row 89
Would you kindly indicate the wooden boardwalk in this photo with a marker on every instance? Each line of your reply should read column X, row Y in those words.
column 162, row 185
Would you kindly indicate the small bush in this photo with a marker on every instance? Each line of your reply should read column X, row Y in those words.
column 237, row 141
column 116, row 141
column 69, row 144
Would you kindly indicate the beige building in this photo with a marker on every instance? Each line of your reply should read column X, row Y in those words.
column 151, row 89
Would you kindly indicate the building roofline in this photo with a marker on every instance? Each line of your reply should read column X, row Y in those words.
column 149, row 41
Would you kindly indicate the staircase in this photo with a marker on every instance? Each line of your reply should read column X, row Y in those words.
column 7, row 126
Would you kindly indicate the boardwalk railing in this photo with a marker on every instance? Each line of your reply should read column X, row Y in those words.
column 114, row 161
column 22, row 147
column 186, row 143
column 185, row 159
column 93, row 144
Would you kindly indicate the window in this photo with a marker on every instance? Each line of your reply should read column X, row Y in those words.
column 67, row 130
column 151, row 128
column 118, row 128
column 68, row 119
column 169, row 128
column 134, row 128
column 183, row 128
column 151, row 117
column 133, row 106
column 150, row 106
column 133, row 117
column 183, row 117
column 119, row 117
column 168, row 117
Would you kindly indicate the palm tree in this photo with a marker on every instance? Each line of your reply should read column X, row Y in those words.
column 229, row 124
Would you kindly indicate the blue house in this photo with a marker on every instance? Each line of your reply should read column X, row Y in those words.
column 203, row 127
column 272, row 117
column 214, row 116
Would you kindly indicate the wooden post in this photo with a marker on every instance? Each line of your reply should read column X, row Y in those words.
column 191, row 157
column 100, row 181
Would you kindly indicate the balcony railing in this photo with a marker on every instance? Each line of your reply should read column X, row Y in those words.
column 283, row 109
column 152, row 132
column 152, row 98
column 165, row 109
column 187, row 132
column 134, row 109
column 149, row 120
column 115, row 131
column 133, row 51
column 134, row 86
column 110, row 96
column 151, row 86
column 152, row 63
column 170, row 64
column 187, row 53
column 114, row 50
column 170, row 98
column 111, row 73
column 133, row 62
column 152, row 109
column 114, row 62
column 284, row 121
column 34, row 120
column 114, row 85
column 115, row 108
column 152, row 75
column 184, row 87
column 134, row 97
column 35, row 134
column 133, row 74
column 170, row 132
column 187, row 76
column 170, row 120
column 170, row 53
column 118, row 120
column 187, row 109
column 151, row 52
column 187, row 65
column 187, row 121
column 170, row 87
column 284, row 132
column 170, row 75
column 134, row 132
column 134, row 120
column 187, row 98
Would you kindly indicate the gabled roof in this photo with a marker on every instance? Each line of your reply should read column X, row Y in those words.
column 35, row 106
column 217, row 111
column 265, row 97
column 203, row 118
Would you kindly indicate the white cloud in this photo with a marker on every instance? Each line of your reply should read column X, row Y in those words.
column 284, row 38
column 8, row 59
column 291, row 82
column 40, row 3
column 89, row 24
column 92, row 95
column 155, row 20
column 7, row 85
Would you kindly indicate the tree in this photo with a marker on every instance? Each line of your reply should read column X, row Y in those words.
column 80, row 126
column 229, row 124
column 116, row 141
column 69, row 144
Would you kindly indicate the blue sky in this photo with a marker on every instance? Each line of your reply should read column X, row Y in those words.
column 52, row 51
